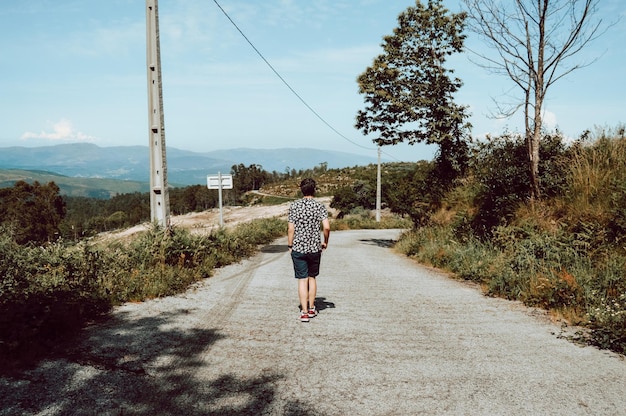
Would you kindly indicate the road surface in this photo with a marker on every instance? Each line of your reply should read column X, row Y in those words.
column 391, row 338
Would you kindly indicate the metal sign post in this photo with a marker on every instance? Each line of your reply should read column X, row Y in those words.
column 220, row 182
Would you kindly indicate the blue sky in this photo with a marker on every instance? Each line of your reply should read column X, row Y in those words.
column 75, row 71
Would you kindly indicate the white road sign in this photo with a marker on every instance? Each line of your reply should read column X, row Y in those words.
column 213, row 182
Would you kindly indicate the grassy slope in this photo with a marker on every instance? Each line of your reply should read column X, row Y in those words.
column 87, row 187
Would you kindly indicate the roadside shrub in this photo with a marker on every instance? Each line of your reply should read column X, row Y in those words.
column 475, row 261
column 412, row 193
column 163, row 262
column 564, row 252
column 540, row 268
column 361, row 219
column 46, row 293
column 260, row 231
column 541, row 264
column 608, row 324
column 429, row 245
column 14, row 266
column 501, row 168
column 360, row 194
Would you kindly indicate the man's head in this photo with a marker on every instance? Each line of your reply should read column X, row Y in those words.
column 307, row 186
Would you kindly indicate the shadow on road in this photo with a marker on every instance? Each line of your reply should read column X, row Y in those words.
column 274, row 248
column 322, row 303
column 379, row 242
column 146, row 366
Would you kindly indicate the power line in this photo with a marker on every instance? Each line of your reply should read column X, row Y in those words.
column 289, row 86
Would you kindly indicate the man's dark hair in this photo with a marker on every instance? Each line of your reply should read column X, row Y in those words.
column 307, row 186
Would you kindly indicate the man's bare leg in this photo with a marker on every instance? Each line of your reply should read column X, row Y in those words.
column 312, row 291
column 303, row 293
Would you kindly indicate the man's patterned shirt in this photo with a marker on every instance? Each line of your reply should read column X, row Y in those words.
column 306, row 214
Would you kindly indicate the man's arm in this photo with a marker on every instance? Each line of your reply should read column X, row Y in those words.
column 290, row 234
column 326, row 231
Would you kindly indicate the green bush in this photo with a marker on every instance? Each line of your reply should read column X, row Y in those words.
column 46, row 293
column 361, row 219
column 361, row 194
column 608, row 323
column 501, row 168
column 429, row 245
column 474, row 261
column 413, row 193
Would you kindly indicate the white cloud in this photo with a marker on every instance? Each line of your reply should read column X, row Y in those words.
column 62, row 130
column 549, row 120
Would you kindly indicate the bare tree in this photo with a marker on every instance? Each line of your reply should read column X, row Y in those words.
column 534, row 41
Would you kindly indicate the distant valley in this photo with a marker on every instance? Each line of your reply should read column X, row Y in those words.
column 89, row 170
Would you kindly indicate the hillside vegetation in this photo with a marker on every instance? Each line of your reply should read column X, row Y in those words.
column 565, row 252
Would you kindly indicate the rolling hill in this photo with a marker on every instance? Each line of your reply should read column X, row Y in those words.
column 84, row 169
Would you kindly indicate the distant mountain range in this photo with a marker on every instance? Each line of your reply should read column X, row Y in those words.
column 131, row 163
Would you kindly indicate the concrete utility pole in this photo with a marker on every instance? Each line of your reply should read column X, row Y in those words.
column 159, row 195
column 378, row 189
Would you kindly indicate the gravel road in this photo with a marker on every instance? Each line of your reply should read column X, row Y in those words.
column 391, row 338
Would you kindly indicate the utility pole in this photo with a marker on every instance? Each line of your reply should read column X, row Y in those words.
column 159, row 194
column 378, row 189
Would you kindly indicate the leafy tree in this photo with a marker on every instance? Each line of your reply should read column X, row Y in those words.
column 532, row 41
column 87, row 216
column 361, row 194
column 248, row 178
column 321, row 168
column 413, row 192
column 408, row 91
column 136, row 205
column 33, row 211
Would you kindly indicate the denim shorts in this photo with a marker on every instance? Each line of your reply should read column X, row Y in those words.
column 306, row 264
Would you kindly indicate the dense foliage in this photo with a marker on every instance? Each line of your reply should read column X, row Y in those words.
column 501, row 171
column 32, row 213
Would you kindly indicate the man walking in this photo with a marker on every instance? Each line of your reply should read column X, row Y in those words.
column 305, row 244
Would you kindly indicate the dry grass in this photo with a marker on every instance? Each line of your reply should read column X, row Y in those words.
column 593, row 172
